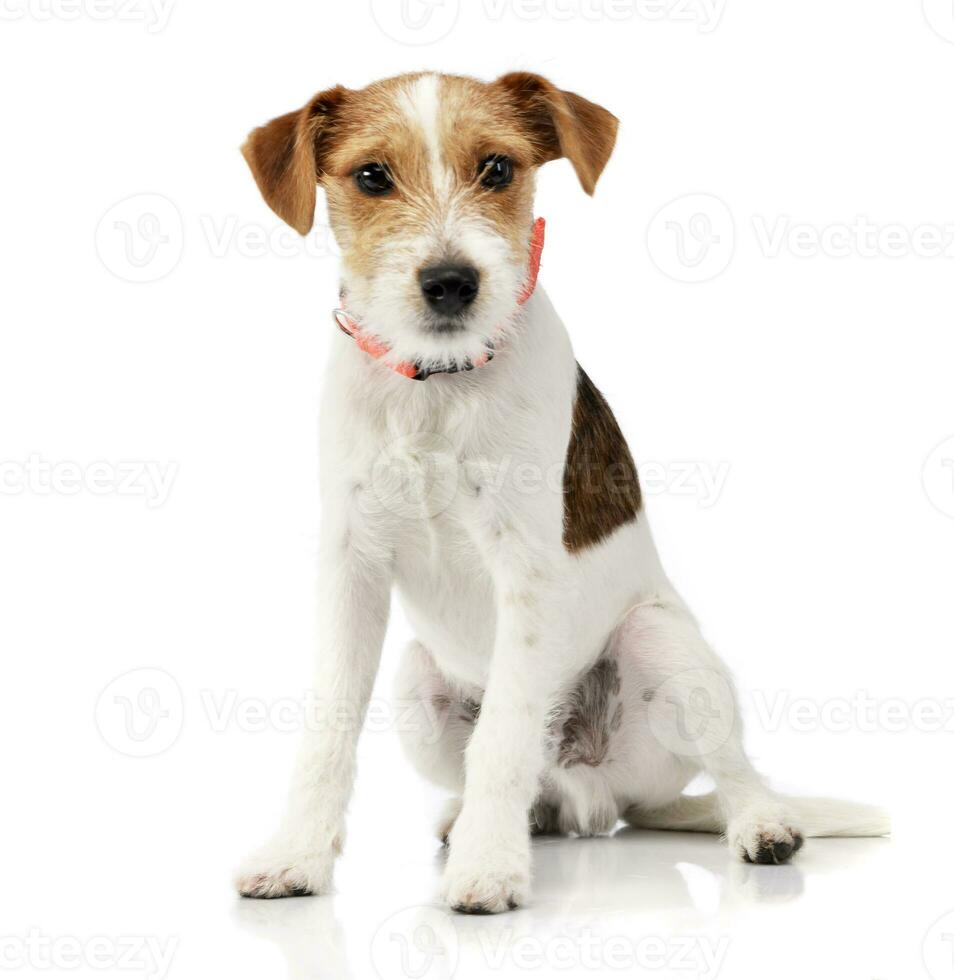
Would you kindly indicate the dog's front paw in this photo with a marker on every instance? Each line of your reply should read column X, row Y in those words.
column 765, row 841
column 278, row 871
column 485, row 887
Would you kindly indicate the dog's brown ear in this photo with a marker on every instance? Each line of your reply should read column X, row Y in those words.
column 563, row 124
column 285, row 156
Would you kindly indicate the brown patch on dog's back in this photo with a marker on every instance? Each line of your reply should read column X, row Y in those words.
column 600, row 485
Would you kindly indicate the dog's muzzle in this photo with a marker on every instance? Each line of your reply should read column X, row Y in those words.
column 452, row 288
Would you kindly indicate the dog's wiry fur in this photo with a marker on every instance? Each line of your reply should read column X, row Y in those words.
column 560, row 679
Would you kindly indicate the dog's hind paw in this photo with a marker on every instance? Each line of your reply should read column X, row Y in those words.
column 768, row 842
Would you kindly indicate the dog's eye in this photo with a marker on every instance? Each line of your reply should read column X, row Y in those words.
column 373, row 179
column 496, row 172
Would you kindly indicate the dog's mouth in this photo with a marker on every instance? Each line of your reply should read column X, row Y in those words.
column 446, row 325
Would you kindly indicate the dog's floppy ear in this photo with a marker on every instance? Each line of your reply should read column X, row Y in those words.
column 563, row 124
column 286, row 157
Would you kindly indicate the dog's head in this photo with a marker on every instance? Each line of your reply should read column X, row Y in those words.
column 429, row 180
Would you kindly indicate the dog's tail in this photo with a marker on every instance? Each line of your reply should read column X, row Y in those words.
column 814, row 817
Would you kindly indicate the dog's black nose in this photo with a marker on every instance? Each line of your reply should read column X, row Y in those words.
column 449, row 288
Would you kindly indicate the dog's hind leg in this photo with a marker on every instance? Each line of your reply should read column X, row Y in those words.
column 437, row 721
column 683, row 711
column 814, row 816
column 691, row 712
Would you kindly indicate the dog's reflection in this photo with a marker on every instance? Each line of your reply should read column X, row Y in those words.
column 652, row 871
column 305, row 929
column 628, row 880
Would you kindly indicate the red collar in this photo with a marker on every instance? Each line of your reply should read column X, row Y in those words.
column 377, row 349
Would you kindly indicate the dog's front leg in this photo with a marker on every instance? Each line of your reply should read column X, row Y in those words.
column 488, row 867
column 353, row 609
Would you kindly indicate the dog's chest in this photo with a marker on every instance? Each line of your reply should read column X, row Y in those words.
column 447, row 594
column 424, row 474
column 423, row 457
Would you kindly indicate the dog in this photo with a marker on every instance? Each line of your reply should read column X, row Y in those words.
column 560, row 683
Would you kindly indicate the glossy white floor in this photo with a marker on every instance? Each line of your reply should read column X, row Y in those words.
column 660, row 904
column 120, row 851
column 116, row 876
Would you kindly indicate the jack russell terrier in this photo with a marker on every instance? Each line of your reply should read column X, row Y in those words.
column 560, row 683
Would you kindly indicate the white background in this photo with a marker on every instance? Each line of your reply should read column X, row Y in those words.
column 811, row 373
